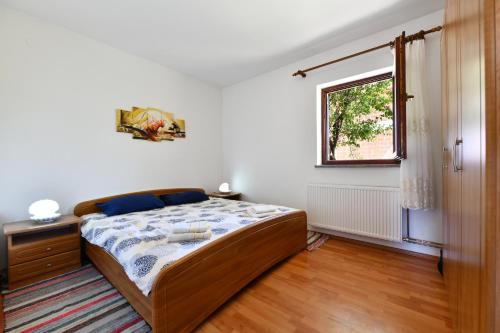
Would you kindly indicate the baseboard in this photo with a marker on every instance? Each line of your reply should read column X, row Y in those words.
column 411, row 249
column 387, row 248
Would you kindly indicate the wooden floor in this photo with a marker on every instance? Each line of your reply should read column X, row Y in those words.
column 342, row 287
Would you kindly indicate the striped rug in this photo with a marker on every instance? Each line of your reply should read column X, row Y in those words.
column 79, row 301
column 315, row 240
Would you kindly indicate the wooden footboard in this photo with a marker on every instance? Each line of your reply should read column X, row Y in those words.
column 187, row 292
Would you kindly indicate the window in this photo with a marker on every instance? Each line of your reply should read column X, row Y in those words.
column 359, row 123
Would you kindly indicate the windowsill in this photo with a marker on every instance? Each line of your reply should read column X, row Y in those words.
column 388, row 165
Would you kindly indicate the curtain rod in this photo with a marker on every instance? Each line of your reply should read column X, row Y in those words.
column 409, row 38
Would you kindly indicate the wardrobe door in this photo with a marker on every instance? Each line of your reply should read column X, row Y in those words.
column 472, row 231
column 469, row 159
column 451, row 174
column 490, row 279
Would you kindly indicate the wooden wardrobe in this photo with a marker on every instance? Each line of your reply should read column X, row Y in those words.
column 471, row 190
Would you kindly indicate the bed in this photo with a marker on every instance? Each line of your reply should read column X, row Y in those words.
column 187, row 291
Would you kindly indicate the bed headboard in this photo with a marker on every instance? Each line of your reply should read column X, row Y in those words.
column 88, row 207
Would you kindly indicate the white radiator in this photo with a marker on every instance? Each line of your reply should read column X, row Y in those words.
column 367, row 211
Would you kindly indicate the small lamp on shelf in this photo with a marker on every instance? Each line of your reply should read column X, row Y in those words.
column 224, row 188
column 44, row 211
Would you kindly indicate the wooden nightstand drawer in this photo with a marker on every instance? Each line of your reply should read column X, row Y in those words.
column 41, row 249
column 43, row 266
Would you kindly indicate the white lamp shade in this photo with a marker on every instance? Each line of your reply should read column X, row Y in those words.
column 44, row 208
column 224, row 188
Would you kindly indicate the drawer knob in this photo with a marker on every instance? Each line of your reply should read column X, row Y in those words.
column 49, row 249
column 49, row 265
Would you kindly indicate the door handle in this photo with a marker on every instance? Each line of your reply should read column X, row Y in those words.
column 457, row 167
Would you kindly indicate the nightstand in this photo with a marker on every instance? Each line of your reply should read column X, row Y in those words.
column 37, row 251
column 230, row 196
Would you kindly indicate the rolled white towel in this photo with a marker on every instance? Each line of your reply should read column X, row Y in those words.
column 191, row 236
column 262, row 209
column 194, row 227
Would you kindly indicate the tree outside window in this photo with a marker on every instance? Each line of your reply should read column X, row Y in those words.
column 358, row 122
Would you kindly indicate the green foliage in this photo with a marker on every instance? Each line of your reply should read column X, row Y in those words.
column 355, row 114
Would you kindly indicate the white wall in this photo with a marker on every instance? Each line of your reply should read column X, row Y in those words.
column 269, row 138
column 58, row 95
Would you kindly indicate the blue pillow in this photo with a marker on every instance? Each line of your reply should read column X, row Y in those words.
column 130, row 203
column 183, row 198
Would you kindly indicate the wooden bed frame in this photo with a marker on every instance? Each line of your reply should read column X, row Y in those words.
column 185, row 293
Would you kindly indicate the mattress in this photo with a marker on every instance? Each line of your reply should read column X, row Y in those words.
column 140, row 241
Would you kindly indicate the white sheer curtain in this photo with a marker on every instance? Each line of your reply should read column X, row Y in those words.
column 417, row 188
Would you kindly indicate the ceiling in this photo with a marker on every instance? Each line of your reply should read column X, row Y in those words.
column 225, row 41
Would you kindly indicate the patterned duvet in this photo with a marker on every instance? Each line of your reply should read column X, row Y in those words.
column 139, row 241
